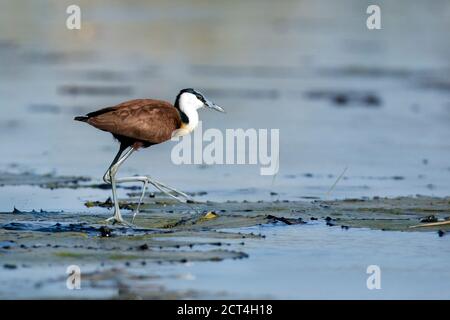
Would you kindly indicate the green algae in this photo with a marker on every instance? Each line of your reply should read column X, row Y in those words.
column 176, row 233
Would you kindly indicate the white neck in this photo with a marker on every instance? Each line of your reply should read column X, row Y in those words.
column 187, row 128
column 192, row 115
column 189, row 104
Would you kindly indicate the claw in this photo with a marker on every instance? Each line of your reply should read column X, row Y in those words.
column 118, row 219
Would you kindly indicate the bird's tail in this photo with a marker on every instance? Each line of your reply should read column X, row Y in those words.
column 81, row 118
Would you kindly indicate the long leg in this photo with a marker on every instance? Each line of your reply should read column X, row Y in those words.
column 118, row 160
column 161, row 187
column 165, row 186
column 145, row 180
column 122, row 148
column 109, row 177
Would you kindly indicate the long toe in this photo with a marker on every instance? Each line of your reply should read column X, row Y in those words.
column 115, row 219
column 126, row 224
column 134, row 216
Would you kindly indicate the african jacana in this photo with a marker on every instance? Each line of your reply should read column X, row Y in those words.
column 142, row 123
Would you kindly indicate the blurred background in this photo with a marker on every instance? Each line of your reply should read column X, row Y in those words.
column 376, row 102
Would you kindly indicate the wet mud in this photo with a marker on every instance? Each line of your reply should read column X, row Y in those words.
column 385, row 118
column 49, row 181
column 167, row 232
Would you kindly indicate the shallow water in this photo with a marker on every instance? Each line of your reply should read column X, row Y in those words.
column 319, row 262
column 292, row 262
column 238, row 59
column 282, row 65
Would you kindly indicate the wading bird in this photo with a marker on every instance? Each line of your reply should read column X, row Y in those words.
column 142, row 123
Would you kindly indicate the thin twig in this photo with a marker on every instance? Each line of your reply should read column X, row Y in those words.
column 336, row 182
column 432, row 224
column 278, row 168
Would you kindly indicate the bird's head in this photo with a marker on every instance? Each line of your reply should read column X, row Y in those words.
column 190, row 99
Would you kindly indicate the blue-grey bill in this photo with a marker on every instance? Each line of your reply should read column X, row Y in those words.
column 214, row 106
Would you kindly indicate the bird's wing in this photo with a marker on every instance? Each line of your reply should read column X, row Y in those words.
column 146, row 120
column 126, row 104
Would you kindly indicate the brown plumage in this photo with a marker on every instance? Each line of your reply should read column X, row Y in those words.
column 140, row 122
